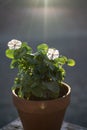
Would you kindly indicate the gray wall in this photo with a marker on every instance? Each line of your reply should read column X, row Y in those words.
column 64, row 26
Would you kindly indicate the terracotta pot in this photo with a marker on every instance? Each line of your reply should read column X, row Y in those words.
column 43, row 115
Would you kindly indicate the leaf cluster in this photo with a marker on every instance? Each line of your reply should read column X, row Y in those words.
column 38, row 76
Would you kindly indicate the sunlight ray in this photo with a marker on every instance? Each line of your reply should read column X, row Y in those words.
column 45, row 15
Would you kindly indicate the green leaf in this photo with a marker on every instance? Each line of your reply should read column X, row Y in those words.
column 61, row 60
column 20, row 93
column 37, row 92
column 14, row 64
column 70, row 62
column 19, row 53
column 52, row 86
column 28, row 48
column 10, row 53
column 42, row 47
column 24, row 50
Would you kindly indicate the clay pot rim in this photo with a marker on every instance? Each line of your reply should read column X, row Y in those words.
column 57, row 99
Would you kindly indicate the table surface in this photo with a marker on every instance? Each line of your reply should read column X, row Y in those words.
column 16, row 125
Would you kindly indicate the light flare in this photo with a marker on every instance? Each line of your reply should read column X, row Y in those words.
column 44, row 13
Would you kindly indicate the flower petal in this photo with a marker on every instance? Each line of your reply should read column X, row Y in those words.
column 52, row 53
column 14, row 44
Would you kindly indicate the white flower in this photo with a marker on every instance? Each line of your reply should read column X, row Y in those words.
column 52, row 53
column 14, row 44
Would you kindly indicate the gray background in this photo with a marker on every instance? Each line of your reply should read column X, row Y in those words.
column 64, row 26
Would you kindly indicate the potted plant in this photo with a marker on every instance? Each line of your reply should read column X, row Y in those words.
column 39, row 93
